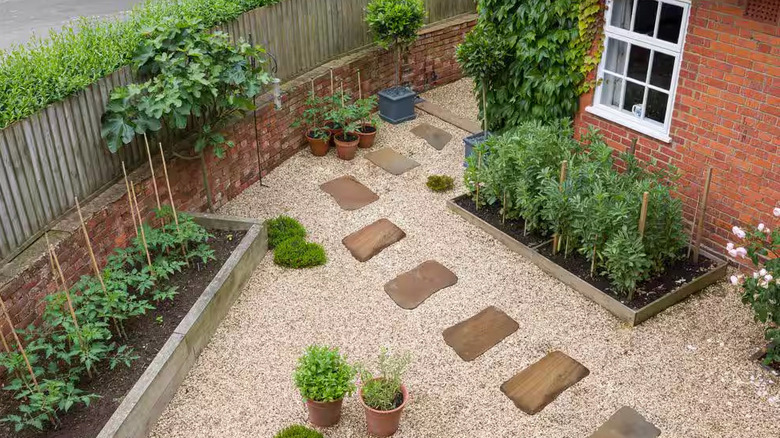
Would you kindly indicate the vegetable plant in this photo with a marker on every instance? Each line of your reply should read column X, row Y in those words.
column 324, row 375
column 394, row 24
column 383, row 390
column 313, row 117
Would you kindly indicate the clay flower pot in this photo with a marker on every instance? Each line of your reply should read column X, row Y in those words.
column 346, row 145
column 319, row 146
column 367, row 134
column 335, row 130
column 324, row 414
column 384, row 423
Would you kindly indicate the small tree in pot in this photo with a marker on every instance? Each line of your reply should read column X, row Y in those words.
column 384, row 397
column 394, row 24
column 324, row 378
column 312, row 119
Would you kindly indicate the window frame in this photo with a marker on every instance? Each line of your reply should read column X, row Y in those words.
column 645, row 126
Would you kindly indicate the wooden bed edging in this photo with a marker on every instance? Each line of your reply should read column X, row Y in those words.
column 147, row 399
column 620, row 310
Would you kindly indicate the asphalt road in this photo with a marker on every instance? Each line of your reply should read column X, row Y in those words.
column 21, row 19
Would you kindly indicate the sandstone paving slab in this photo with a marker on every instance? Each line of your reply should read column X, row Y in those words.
column 448, row 116
column 372, row 239
column 474, row 336
column 542, row 382
column 392, row 161
column 627, row 423
column 411, row 288
column 349, row 193
column 436, row 137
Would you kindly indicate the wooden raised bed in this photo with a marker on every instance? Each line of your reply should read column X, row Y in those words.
column 617, row 308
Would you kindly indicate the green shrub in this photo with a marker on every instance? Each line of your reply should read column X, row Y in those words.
column 298, row 431
column 298, row 253
column 382, row 391
column 283, row 228
column 51, row 68
column 440, row 183
column 324, row 375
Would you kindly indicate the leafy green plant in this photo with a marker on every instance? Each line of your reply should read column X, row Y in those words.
column 394, row 24
column 324, row 375
column 312, row 119
column 625, row 261
column 440, row 183
column 364, row 112
column 298, row 431
column 383, row 391
column 297, row 253
column 282, row 228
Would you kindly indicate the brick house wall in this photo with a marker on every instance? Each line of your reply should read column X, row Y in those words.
column 726, row 115
column 25, row 281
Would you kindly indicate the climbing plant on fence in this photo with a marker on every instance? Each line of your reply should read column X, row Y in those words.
column 551, row 50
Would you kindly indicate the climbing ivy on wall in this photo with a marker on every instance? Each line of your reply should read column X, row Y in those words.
column 553, row 46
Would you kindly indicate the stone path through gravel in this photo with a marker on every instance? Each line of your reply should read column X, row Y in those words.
column 687, row 371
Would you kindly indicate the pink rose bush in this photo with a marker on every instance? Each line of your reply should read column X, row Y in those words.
column 761, row 245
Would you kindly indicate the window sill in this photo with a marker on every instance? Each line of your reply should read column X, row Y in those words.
column 629, row 123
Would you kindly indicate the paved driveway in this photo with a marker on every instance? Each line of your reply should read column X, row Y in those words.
column 20, row 19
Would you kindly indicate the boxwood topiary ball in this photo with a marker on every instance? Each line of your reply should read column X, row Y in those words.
column 298, row 431
column 298, row 253
column 283, row 228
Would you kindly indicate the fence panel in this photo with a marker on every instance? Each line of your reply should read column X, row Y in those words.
column 57, row 154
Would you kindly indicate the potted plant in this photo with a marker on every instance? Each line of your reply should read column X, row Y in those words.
column 324, row 378
column 312, row 119
column 482, row 56
column 384, row 396
column 367, row 122
column 346, row 138
column 394, row 24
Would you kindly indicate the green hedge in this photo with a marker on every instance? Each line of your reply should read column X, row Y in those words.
column 49, row 69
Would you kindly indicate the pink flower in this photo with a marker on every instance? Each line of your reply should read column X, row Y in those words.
column 734, row 280
column 776, row 211
column 768, row 277
column 738, row 232
column 730, row 246
column 733, row 253
column 741, row 252
column 761, row 227
column 762, row 272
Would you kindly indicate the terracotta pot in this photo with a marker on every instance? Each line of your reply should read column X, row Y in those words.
column 383, row 423
column 346, row 149
column 366, row 138
column 324, row 414
column 334, row 130
column 319, row 146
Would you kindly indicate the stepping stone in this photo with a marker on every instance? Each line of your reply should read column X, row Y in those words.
column 438, row 138
column 448, row 116
column 391, row 161
column 538, row 385
column 372, row 239
column 411, row 288
column 627, row 423
column 478, row 334
column 349, row 193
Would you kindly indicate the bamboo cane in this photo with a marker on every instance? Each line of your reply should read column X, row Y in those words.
column 312, row 88
column 154, row 180
column 643, row 215
column 484, row 109
column 556, row 237
column 332, row 88
column 64, row 285
column 700, row 225
column 173, row 206
column 360, row 86
column 130, row 199
column 479, row 167
column 19, row 343
column 593, row 261
column 143, row 233
column 341, row 90
column 503, row 212
column 693, row 225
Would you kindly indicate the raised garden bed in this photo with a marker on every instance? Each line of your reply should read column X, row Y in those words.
column 652, row 297
column 168, row 339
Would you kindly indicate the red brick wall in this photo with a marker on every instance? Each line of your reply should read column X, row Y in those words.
column 726, row 115
column 430, row 62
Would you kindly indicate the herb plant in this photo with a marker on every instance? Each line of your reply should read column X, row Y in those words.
column 298, row 431
column 383, row 391
column 282, row 228
column 324, row 375
column 297, row 253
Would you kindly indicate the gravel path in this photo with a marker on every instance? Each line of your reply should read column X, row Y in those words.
column 686, row 370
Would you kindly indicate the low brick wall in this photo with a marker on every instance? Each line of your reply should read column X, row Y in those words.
column 26, row 280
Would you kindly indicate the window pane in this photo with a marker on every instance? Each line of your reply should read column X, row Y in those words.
column 616, row 56
column 638, row 62
column 621, row 13
column 656, row 105
column 644, row 22
column 611, row 88
column 635, row 94
column 663, row 67
column 670, row 23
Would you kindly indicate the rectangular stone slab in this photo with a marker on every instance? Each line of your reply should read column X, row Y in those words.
column 391, row 161
column 411, row 288
column 438, row 138
column 538, row 385
column 478, row 334
column 448, row 116
column 372, row 239
column 349, row 193
column 627, row 423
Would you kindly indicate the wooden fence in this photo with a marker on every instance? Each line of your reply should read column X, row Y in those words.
column 57, row 154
